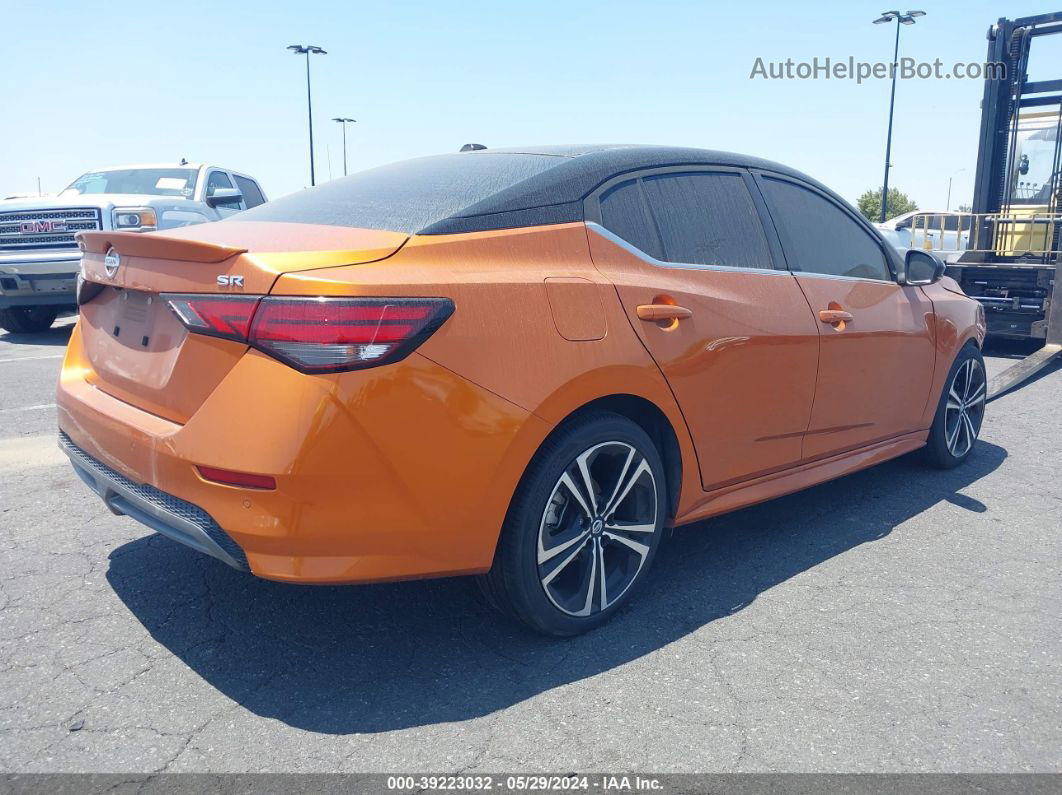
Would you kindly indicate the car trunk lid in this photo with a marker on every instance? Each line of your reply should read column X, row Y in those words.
column 137, row 349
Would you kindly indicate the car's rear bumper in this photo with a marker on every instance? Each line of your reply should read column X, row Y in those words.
column 171, row 516
column 389, row 473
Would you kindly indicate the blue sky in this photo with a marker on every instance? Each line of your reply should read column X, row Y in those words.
column 106, row 84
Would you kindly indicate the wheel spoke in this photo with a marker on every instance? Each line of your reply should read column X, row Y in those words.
column 613, row 504
column 630, row 527
column 588, row 483
column 546, row 555
column 952, row 393
column 953, row 405
column 552, row 575
column 971, row 434
column 589, row 603
column 602, row 571
column 641, row 549
column 619, row 481
column 977, row 397
column 954, row 435
column 968, row 379
column 569, row 484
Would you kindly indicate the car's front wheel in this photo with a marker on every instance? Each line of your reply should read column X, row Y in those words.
column 960, row 412
column 27, row 319
column 583, row 527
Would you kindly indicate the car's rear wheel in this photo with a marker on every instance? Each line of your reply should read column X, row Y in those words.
column 27, row 319
column 583, row 527
column 960, row 412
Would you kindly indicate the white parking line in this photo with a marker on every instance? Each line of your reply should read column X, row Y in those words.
column 29, row 408
column 31, row 358
column 30, row 452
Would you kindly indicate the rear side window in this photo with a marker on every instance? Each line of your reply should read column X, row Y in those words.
column 624, row 213
column 820, row 237
column 218, row 179
column 707, row 219
column 252, row 195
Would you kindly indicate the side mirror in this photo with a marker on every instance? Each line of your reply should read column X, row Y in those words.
column 922, row 267
column 904, row 224
column 222, row 197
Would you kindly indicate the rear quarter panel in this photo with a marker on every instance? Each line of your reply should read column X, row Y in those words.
column 506, row 331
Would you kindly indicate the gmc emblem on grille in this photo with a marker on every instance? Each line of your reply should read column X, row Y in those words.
column 38, row 227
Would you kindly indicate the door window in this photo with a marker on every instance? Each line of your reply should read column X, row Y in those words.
column 820, row 237
column 707, row 218
column 252, row 194
column 218, row 179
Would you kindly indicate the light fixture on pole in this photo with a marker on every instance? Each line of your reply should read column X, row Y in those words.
column 308, row 50
column 343, row 120
column 901, row 19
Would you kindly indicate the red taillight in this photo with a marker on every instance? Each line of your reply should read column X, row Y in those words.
column 244, row 480
column 226, row 316
column 318, row 335
column 323, row 335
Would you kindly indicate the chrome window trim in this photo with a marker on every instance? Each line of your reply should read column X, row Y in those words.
column 612, row 237
column 834, row 277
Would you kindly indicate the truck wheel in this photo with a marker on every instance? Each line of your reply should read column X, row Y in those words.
column 27, row 319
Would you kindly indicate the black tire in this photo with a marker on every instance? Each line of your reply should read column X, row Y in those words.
column 960, row 411
column 27, row 319
column 554, row 538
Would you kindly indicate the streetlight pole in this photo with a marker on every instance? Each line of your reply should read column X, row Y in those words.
column 307, row 50
column 948, row 206
column 343, row 120
column 901, row 19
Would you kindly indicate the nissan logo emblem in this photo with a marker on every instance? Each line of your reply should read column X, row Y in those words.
column 111, row 262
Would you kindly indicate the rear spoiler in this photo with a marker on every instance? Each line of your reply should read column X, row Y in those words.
column 156, row 246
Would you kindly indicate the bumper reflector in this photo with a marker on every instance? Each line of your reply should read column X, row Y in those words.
column 243, row 480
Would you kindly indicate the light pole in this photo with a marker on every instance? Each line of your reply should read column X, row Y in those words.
column 948, row 207
column 307, row 50
column 901, row 19
column 343, row 120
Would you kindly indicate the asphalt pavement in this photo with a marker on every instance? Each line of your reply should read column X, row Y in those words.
column 899, row 619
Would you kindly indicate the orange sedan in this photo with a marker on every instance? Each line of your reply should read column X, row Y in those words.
column 520, row 364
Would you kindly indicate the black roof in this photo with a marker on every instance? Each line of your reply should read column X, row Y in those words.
column 484, row 189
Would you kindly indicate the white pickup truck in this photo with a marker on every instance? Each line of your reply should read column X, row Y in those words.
column 933, row 230
column 39, row 258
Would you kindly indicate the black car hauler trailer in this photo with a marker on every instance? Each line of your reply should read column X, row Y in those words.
column 1010, row 254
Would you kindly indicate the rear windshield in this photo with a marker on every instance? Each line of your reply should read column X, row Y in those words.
column 148, row 181
column 406, row 196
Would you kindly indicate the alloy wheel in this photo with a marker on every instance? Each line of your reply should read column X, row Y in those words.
column 965, row 409
column 597, row 528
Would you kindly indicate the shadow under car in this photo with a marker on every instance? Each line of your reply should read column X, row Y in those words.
column 382, row 657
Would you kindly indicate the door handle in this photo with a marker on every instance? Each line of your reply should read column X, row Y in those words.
column 834, row 316
column 662, row 312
